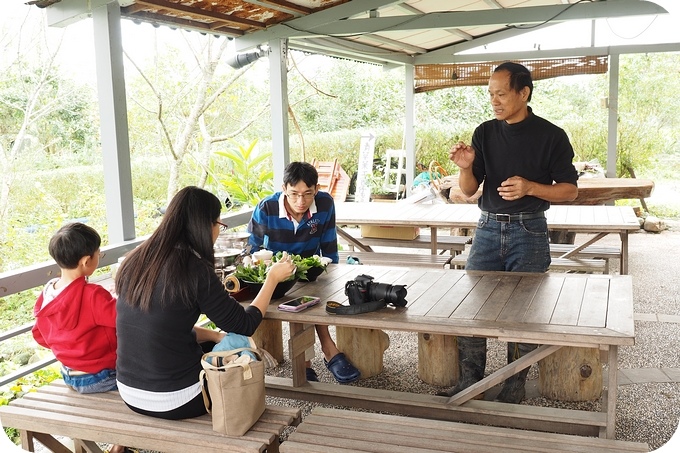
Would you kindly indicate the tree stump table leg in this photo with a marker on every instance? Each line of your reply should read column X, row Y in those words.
column 438, row 359
column 571, row 374
column 562, row 237
column 269, row 336
column 364, row 348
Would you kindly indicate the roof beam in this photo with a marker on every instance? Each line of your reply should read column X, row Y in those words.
column 445, row 54
column 322, row 17
column 508, row 16
column 351, row 50
column 563, row 53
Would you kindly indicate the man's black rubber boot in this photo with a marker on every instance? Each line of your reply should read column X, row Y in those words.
column 471, row 363
column 513, row 390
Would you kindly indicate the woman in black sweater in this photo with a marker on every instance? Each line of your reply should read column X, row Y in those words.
column 163, row 287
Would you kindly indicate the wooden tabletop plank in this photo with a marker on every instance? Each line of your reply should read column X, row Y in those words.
column 525, row 292
column 595, row 302
column 498, row 299
column 569, row 302
column 543, row 305
column 620, row 309
column 455, row 295
column 428, row 292
column 472, row 304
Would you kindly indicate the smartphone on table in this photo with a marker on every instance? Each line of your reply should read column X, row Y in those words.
column 299, row 304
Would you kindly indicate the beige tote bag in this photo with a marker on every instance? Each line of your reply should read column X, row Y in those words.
column 235, row 390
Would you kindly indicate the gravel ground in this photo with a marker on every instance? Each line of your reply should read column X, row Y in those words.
column 646, row 412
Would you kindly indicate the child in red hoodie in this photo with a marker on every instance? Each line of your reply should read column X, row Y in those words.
column 77, row 319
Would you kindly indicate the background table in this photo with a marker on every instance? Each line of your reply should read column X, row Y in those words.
column 591, row 191
column 600, row 220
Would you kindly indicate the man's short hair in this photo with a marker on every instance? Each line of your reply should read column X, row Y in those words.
column 520, row 76
column 300, row 171
column 72, row 242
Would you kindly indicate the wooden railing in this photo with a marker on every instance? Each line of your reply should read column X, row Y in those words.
column 18, row 280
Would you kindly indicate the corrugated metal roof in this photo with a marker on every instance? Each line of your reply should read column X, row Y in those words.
column 378, row 31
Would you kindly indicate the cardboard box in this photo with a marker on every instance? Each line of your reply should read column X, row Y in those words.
column 389, row 232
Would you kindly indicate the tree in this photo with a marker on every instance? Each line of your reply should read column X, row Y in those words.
column 185, row 103
column 41, row 111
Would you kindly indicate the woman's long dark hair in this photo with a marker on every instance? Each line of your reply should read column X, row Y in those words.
column 186, row 229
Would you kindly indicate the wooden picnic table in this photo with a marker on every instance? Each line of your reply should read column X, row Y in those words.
column 600, row 220
column 591, row 191
column 553, row 310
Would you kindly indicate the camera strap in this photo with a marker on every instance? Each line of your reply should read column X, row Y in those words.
column 337, row 308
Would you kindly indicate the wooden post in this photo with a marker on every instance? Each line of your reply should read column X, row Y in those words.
column 571, row 374
column 364, row 348
column 438, row 359
column 269, row 336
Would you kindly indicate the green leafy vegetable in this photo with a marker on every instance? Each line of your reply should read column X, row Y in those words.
column 257, row 273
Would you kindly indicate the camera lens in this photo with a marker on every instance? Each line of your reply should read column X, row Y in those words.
column 392, row 294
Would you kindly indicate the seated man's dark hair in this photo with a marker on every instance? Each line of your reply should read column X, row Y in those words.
column 300, row 171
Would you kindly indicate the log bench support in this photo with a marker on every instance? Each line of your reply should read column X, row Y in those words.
column 364, row 348
column 438, row 359
column 339, row 431
column 269, row 336
column 571, row 374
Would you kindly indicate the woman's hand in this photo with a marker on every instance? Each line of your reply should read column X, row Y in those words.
column 282, row 269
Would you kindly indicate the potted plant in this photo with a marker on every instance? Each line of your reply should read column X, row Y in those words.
column 378, row 190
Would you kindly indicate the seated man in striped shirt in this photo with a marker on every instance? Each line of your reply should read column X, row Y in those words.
column 301, row 220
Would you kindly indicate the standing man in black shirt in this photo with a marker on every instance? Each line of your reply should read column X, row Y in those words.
column 525, row 162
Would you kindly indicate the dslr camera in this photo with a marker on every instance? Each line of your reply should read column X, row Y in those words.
column 363, row 289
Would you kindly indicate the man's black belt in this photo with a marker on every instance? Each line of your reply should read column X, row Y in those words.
column 513, row 217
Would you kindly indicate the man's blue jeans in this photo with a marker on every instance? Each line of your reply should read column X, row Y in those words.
column 516, row 246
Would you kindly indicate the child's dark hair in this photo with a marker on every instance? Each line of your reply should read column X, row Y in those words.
column 72, row 242
column 300, row 171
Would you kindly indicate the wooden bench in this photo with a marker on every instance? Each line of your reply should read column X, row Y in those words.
column 103, row 417
column 604, row 252
column 398, row 259
column 336, row 431
column 454, row 244
column 589, row 265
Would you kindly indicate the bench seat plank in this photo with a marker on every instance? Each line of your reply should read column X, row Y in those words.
column 103, row 417
column 592, row 251
column 343, row 431
column 423, row 241
column 557, row 264
column 398, row 259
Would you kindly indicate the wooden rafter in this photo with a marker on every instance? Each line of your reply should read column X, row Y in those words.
column 202, row 13
column 187, row 24
column 283, row 6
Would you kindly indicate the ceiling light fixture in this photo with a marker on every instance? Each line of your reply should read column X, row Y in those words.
column 240, row 60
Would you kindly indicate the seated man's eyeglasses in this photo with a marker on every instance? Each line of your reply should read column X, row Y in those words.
column 296, row 196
